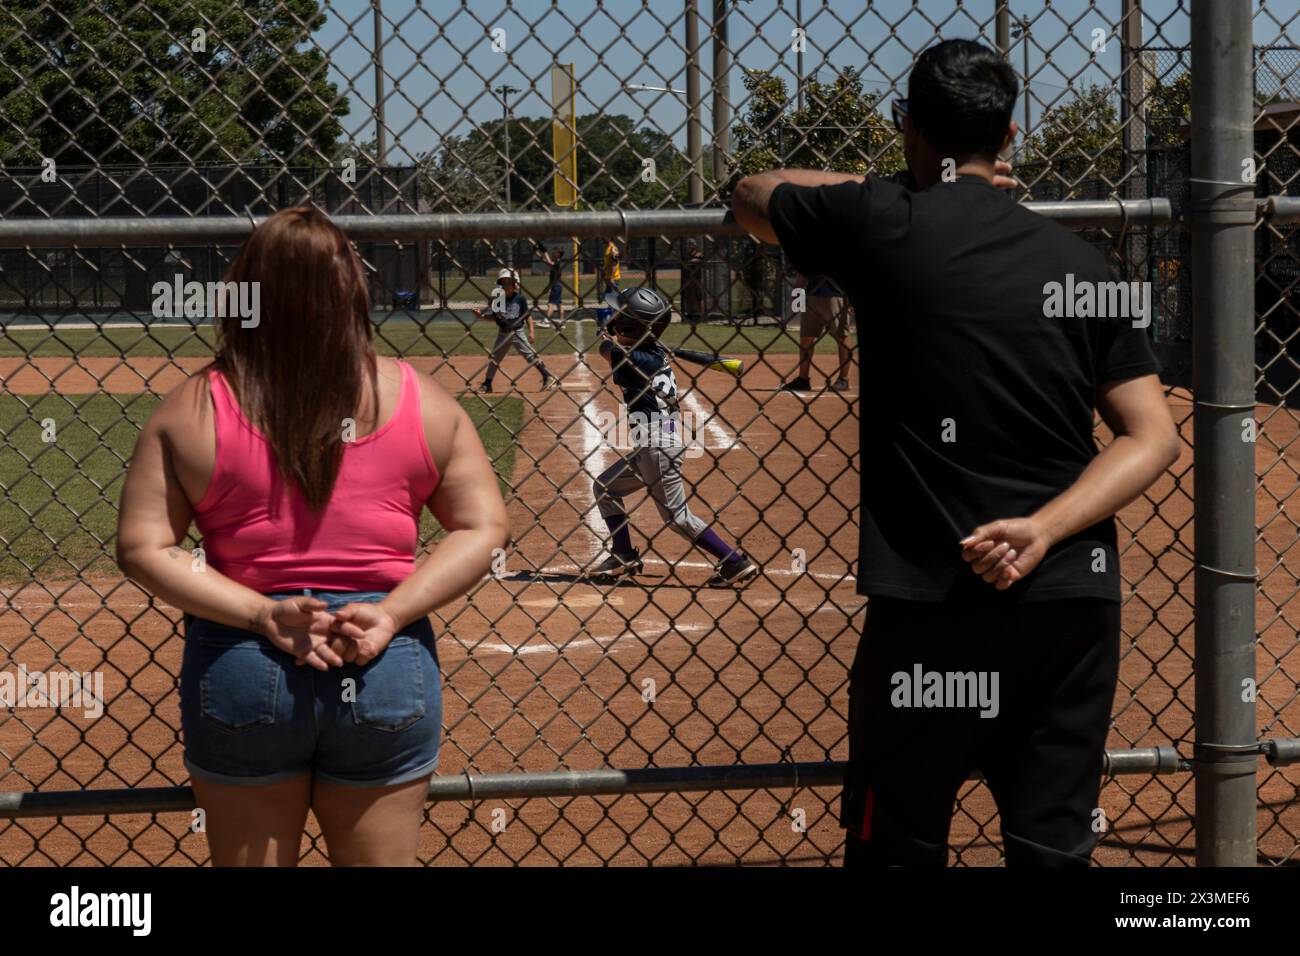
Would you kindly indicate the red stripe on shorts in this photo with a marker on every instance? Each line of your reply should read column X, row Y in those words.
column 864, row 832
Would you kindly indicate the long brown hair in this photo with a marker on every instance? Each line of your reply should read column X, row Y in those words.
column 299, row 372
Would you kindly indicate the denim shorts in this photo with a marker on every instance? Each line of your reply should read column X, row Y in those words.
column 252, row 716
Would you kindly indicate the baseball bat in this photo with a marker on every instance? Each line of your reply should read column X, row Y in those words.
column 718, row 362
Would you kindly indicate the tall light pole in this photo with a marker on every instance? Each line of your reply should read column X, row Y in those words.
column 505, row 89
column 1003, row 33
column 694, row 133
column 721, row 74
column 381, row 149
column 1021, row 32
column 798, row 16
column 1133, row 107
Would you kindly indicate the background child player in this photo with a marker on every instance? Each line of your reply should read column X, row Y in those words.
column 554, row 286
column 611, row 272
column 510, row 310
column 643, row 370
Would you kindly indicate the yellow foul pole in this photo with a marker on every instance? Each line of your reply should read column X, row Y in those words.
column 564, row 145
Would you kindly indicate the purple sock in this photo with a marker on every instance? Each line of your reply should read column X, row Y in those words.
column 617, row 525
column 710, row 542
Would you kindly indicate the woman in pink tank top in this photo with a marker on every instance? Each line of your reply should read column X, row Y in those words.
column 310, row 677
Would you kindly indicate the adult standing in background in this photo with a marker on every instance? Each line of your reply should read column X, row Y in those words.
column 611, row 271
column 693, row 283
column 554, row 287
column 825, row 309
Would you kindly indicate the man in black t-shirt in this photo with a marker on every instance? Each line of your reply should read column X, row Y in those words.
column 988, row 336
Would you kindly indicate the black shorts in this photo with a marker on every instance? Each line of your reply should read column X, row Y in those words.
column 914, row 740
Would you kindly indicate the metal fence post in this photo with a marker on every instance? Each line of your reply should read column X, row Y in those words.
column 1222, row 213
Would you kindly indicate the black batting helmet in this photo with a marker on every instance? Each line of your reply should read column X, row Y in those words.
column 640, row 313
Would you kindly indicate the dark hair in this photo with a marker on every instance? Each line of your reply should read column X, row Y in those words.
column 299, row 373
column 960, row 96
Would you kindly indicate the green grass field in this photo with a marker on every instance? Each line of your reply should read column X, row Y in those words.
column 398, row 336
column 58, row 516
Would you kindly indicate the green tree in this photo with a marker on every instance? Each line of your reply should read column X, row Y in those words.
column 468, row 172
column 1077, row 148
column 462, row 177
column 1073, row 144
column 116, row 82
column 611, row 151
column 839, row 128
column 1168, row 105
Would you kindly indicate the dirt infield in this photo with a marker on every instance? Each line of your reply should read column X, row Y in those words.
column 542, row 671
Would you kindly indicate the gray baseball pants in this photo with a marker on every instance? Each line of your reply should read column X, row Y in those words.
column 519, row 339
column 658, row 471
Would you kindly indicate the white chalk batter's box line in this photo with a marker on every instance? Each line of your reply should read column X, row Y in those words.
column 606, row 642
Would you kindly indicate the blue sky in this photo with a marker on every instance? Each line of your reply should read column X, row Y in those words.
column 441, row 66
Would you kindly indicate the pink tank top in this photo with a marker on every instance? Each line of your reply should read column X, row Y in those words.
column 260, row 532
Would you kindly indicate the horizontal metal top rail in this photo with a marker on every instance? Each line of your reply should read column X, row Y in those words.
column 232, row 230
column 578, row 783
column 1282, row 209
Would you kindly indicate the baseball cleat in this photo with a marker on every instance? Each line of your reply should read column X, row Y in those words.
column 734, row 572
column 616, row 566
column 550, row 384
column 485, row 388
column 796, row 385
column 841, row 385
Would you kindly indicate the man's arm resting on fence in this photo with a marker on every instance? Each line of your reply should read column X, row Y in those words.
column 750, row 201
column 1146, row 443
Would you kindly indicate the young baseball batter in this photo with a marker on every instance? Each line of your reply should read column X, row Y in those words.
column 642, row 368
column 511, row 310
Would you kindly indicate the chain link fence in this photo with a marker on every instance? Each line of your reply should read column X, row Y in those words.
column 721, row 712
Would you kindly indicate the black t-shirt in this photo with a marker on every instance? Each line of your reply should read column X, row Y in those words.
column 974, row 405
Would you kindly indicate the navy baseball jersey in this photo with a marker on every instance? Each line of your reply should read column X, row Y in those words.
column 512, row 313
column 649, row 387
